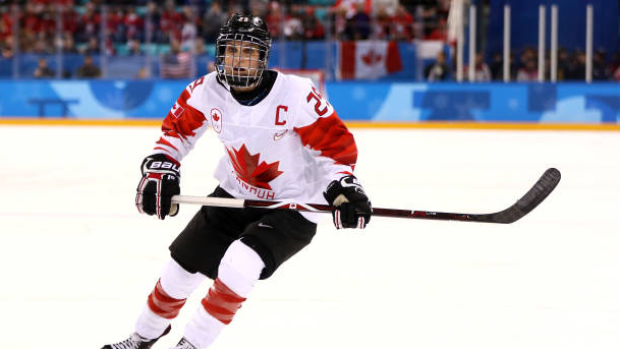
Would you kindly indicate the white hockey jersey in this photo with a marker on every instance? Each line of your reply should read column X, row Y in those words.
column 289, row 146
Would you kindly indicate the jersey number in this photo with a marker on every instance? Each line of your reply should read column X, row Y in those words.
column 196, row 83
column 317, row 105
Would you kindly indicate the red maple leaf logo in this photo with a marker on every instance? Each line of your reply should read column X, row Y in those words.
column 371, row 58
column 250, row 171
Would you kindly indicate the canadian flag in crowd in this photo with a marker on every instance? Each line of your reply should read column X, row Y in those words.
column 368, row 59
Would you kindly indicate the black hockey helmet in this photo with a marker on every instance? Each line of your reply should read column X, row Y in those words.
column 243, row 31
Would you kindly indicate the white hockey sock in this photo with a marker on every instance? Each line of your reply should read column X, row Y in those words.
column 150, row 325
column 166, row 300
column 239, row 270
column 203, row 329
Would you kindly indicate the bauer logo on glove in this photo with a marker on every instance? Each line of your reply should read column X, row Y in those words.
column 160, row 181
column 159, row 165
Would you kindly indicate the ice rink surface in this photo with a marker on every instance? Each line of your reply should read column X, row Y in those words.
column 77, row 260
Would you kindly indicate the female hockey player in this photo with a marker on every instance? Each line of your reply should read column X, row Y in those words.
column 283, row 141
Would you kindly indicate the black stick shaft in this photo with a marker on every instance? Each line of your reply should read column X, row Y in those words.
column 532, row 198
column 543, row 187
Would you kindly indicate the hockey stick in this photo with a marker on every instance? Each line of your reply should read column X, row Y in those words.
column 543, row 187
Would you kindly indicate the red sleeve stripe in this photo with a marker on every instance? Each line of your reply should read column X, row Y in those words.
column 160, row 148
column 184, row 124
column 162, row 141
column 332, row 138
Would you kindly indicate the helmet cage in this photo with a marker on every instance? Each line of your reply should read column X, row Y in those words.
column 238, row 73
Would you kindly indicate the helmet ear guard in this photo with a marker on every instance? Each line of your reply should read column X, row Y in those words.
column 242, row 32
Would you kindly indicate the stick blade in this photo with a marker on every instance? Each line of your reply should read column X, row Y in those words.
column 537, row 194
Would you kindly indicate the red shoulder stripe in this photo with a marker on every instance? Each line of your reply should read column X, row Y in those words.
column 332, row 138
column 183, row 119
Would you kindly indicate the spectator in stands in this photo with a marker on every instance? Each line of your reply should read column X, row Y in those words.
column 350, row 7
column 274, row 19
column 92, row 48
column 577, row 67
column 115, row 23
column 29, row 27
column 153, row 22
column 358, row 26
column 563, row 63
column 390, row 6
column 41, row 46
column 443, row 9
column 497, row 66
column 529, row 71
column 177, row 64
column 212, row 20
column 68, row 45
column 339, row 21
column 258, row 8
column 30, row 21
column 600, row 70
column 143, row 73
column 293, row 27
column 134, row 48
column 430, row 15
column 88, row 24
column 200, row 48
column 382, row 23
column 614, row 63
column 402, row 24
column 313, row 28
column 439, row 70
column 189, row 30
column 616, row 75
column 6, row 47
column 134, row 25
column 89, row 69
column 440, row 32
column 482, row 73
column 171, row 22
column 6, row 24
column 527, row 54
column 47, row 24
column 43, row 70
column 69, row 19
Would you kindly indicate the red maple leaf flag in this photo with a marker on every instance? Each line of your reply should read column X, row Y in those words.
column 250, row 171
column 177, row 110
column 370, row 59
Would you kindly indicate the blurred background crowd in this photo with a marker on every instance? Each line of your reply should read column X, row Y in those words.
column 194, row 23
column 177, row 32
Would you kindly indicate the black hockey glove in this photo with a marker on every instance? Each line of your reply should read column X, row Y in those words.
column 160, row 181
column 352, row 207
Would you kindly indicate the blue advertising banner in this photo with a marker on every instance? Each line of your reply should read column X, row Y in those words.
column 490, row 102
column 378, row 101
